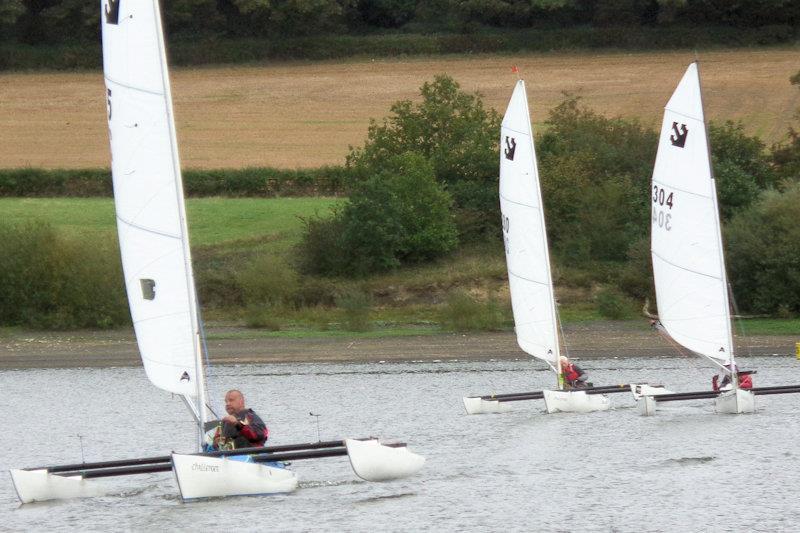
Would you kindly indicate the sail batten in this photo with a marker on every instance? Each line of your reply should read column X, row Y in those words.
column 686, row 243
column 525, row 238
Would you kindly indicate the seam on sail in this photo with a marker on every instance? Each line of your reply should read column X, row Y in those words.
column 158, row 317
column 133, row 88
column 132, row 225
column 668, row 186
column 517, row 131
column 518, row 203
column 684, row 115
column 655, row 254
column 511, row 272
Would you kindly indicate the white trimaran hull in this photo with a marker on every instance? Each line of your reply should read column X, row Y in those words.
column 686, row 241
column 200, row 476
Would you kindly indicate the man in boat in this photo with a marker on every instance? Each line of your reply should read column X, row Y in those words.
column 574, row 376
column 240, row 428
column 744, row 376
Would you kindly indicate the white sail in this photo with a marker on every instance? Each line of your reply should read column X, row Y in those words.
column 148, row 193
column 686, row 244
column 524, row 234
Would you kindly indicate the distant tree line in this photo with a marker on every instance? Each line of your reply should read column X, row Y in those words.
column 61, row 21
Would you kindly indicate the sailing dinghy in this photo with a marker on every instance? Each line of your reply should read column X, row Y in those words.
column 528, row 262
column 154, row 244
column 686, row 244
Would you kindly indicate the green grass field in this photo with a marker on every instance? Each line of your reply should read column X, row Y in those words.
column 212, row 221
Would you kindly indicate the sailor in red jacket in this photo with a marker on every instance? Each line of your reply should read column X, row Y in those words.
column 240, row 428
column 745, row 379
column 574, row 376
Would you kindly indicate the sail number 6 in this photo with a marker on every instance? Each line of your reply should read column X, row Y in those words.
column 661, row 218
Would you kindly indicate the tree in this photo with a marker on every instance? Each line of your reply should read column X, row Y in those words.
column 400, row 215
column 786, row 155
column 454, row 132
column 763, row 244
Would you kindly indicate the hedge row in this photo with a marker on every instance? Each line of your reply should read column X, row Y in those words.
column 250, row 182
column 216, row 51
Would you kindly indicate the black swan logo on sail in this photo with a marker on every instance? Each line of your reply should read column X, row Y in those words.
column 511, row 147
column 678, row 138
column 185, row 376
column 112, row 11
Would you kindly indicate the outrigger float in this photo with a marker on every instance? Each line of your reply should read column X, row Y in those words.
column 156, row 260
column 247, row 471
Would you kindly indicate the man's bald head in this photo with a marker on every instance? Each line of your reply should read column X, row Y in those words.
column 234, row 402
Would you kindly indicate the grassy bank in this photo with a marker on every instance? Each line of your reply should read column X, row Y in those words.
column 465, row 291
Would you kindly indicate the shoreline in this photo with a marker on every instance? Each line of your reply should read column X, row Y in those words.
column 29, row 350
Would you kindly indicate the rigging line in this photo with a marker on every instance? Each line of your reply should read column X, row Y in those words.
column 739, row 321
column 206, row 358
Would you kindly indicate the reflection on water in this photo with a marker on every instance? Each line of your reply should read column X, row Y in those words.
column 683, row 469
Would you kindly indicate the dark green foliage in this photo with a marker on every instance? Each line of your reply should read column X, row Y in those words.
column 246, row 182
column 595, row 175
column 456, row 134
column 56, row 283
column 237, row 46
column 786, row 155
column 398, row 216
column 636, row 275
column 763, row 244
column 613, row 304
column 741, row 166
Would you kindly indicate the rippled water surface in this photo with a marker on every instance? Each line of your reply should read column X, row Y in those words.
column 686, row 469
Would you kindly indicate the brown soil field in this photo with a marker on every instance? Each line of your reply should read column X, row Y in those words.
column 585, row 340
column 307, row 114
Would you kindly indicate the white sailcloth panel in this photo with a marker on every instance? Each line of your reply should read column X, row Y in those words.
column 685, row 237
column 524, row 234
column 147, row 192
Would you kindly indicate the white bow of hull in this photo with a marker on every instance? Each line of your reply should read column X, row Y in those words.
column 574, row 402
column 372, row 461
column 735, row 402
column 40, row 485
column 478, row 406
column 213, row 477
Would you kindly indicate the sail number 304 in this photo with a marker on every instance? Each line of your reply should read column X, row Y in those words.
column 662, row 205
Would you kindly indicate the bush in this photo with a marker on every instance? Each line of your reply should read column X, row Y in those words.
column 741, row 166
column 398, row 216
column 268, row 282
column 611, row 303
column 464, row 313
column 356, row 306
column 763, row 245
column 53, row 282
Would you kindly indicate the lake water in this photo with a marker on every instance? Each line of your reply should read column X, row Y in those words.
column 685, row 469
